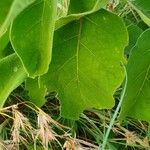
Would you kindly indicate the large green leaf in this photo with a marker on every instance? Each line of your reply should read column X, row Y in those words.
column 36, row 91
column 85, row 69
column 32, row 35
column 12, row 75
column 143, row 9
column 76, row 10
column 136, row 102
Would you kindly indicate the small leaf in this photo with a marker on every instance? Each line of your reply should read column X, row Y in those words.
column 77, row 11
column 12, row 75
column 36, row 92
column 136, row 101
column 32, row 36
column 143, row 9
column 85, row 69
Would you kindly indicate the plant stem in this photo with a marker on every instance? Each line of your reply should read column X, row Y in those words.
column 115, row 114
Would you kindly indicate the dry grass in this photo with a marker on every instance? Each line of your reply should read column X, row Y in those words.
column 23, row 133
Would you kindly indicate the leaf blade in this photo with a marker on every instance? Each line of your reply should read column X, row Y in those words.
column 15, row 7
column 136, row 100
column 79, row 57
column 36, row 25
column 9, row 10
column 12, row 75
column 143, row 9
column 36, row 92
column 75, row 13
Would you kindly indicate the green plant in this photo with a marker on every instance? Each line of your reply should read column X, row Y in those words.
column 79, row 54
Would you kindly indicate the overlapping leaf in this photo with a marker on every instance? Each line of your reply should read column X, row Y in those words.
column 3, row 43
column 79, row 9
column 76, row 7
column 9, row 9
column 143, row 9
column 12, row 75
column 134, row 33
column 32, row 35
column 85, row 69
column 136, row 102
column 5, row 7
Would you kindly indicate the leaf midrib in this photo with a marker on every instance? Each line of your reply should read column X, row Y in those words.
column 78, row 48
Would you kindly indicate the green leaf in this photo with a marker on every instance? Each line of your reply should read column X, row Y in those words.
column 8, row 50
column 134, row 33
column 77, row 11
column 85, row 68
column 3, row 43
column 36, row 92
column 32, row 36
column 9, row 10
column 143, row 9
column 142, row 25
column 12, row 75
column 5, row 6
column 4, row 39
column 85, row 5
column 136, row 101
